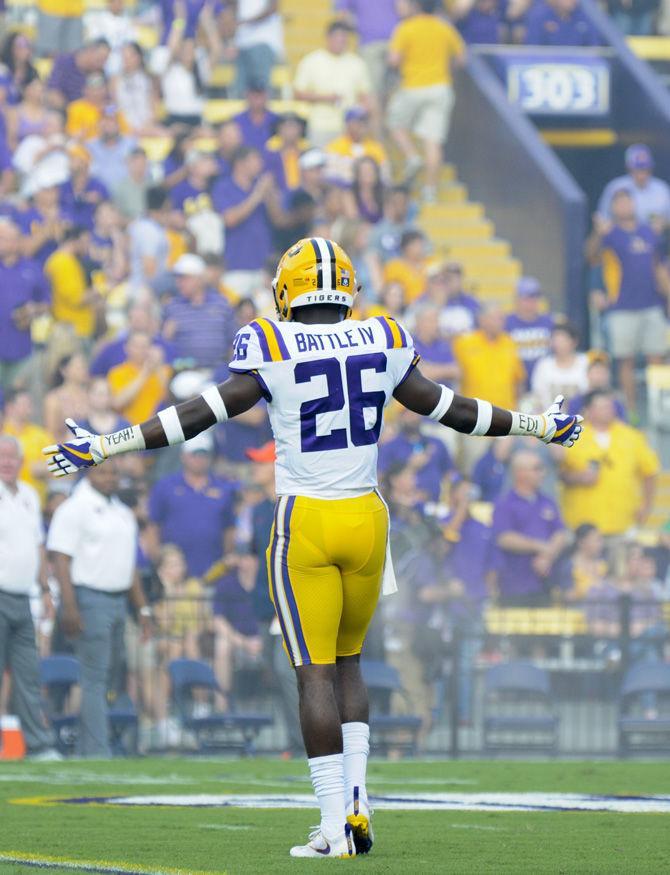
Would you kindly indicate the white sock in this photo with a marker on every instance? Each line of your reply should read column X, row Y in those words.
column 328, row 782
column 356, row 740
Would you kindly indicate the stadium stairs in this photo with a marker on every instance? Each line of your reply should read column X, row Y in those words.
column 457, row 226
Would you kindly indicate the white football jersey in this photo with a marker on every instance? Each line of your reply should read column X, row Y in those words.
column 326, row 388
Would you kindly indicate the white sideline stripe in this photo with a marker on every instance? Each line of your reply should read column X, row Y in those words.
column 522, row 802
column 37, row 862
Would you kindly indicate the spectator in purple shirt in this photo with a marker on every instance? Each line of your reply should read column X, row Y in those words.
column 257, row 123
column 528, row 534
column 44, row 223
column 24, row 295
column 599, row 376
column 192, row 194
column 480, row 22
column 374, row 24
column 81, row 193
column 636, row 281
column 140, row 319
column 427, row 456
column 560, row 23
column 237, row 640
column 528, row 327
column 249, row 201
column 193, row 509
column 437, row 358
column 70, row 72
column 458, row 309
column 199, row 321
column 229, row 140
column 490, row 471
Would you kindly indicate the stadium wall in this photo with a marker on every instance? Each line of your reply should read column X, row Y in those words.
column 534, row 201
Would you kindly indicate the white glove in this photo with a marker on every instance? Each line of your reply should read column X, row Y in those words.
column 561, row 428
column 82, row 452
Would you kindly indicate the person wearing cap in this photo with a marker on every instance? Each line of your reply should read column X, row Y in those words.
column 257, row 121
column 650, row 194
column 248, row 201
column 193, row 508
column 636, row 285
column 528, row 326
column 81, row 194
column 92, row 543
column 423, row 47
column 198, row 321
column 355, row 143
column 140, row 383
column 331, row 80
column 110, row 149
column 283, row 151
column 560, row 23
column 259, row 38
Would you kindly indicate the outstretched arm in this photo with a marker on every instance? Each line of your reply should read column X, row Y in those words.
column 473, row 416
column 174, row 425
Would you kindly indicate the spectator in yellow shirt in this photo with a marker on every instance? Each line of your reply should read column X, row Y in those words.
column 410, row 269
column 83, row 115
column 423, row 46
column 18, row 422
column 490, row 365
column 331, row 80
column 355, row 143
column 609, row 477
column 73, row 303
column 139, row 385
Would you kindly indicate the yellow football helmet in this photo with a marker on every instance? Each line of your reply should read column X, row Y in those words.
column 314, row 271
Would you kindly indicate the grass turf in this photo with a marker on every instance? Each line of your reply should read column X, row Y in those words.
column 256, row 841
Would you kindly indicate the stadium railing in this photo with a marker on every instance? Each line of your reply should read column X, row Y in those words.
column 584, row 651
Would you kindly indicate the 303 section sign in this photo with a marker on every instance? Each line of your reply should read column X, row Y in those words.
column 568, row 86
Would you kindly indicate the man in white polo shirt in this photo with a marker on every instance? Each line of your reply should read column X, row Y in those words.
column 21, row 566
column 93, row 543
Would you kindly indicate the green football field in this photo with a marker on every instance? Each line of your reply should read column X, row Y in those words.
column 37, row 827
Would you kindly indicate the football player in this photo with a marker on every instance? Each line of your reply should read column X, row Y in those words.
column 326, row 379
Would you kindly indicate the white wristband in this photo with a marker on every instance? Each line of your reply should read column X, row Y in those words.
column 528, row 424
column 127, row 440
column 171, row 425
column 212, row 398
column 484, row 417
column 443, row 404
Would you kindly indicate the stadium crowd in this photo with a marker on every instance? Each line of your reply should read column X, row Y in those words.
column 125, row 272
